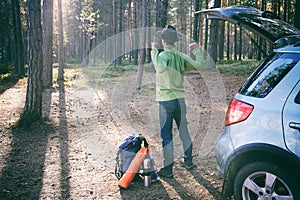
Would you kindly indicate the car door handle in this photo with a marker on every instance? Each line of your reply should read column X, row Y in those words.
column 295, row 125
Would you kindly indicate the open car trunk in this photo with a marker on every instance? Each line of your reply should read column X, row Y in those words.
column 265, row 24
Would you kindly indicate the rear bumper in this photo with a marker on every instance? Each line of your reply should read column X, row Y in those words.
column 224, row 148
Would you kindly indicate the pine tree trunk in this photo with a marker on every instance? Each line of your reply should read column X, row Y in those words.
column 18, row 39
column 119, row 46
column 221, row 39
column 115, row 32
column 228, row 55
column 47, row 43
column 60, row 43
column 135, row 37
column 142, row 51
column 161, row 13
column 235, row 42
column 213, row 42
column 240, row 43
column 297, row 14
column 196, row 21
column 149, row 33
column 33, row 104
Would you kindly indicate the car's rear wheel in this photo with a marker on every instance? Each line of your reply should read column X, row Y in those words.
column 261, row 180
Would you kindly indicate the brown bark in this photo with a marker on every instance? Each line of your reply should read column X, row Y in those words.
column 142, row 51
column 47, row 43
column 33, row 104
column 18, row 39
column 60, row 43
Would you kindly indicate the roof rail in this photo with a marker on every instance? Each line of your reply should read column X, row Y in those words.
column 297, row 44
column 289, row 40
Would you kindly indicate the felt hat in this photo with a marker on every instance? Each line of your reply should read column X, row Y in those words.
column 169, row 34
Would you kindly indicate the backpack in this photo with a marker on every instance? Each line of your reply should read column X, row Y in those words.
column 126, row 152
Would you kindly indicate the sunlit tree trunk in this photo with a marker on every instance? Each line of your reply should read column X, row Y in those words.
column 33, row 104
column 47, row 43
column 60, row 43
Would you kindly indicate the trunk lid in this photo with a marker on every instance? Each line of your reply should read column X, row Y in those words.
column 265, row 24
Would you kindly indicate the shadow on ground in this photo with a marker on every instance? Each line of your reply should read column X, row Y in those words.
column 22, row 175
column 8, row 82
column 178, row 187
column 23, row 171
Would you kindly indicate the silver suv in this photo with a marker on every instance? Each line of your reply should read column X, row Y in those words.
column 259, row 151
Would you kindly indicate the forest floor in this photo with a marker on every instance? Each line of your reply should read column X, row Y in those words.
column 71, row 155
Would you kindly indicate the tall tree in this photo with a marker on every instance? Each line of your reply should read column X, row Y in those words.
column 47, row 43
column 183, row 17
column 221, row 39
column 115, row 30
column 149, row 33
column 142, row 50
column 120, row 19
column 61, row 51
column 161, row 13
column 18, row 39
column 213, row 40
column 197, row 6
column 297, row 14
column 6, row 30
column 135, row 37
column 33, row 104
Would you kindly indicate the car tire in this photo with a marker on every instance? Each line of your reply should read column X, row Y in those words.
column 250, row 182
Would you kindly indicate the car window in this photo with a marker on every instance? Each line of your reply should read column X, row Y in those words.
column 269, row 74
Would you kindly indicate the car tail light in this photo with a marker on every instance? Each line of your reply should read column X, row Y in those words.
column 237, row 111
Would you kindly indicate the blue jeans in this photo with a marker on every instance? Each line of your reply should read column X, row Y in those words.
column 169, row 111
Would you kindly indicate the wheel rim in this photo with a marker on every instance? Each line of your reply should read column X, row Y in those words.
column 267, row 186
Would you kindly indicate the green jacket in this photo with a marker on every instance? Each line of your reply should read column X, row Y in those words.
column 170, row 66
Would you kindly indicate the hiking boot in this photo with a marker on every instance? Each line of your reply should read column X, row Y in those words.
column 188, row 164
column 165, row 173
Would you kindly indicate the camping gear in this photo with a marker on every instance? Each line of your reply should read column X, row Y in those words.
column 133, row 160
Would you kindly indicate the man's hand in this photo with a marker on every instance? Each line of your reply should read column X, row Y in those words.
column 193, row 46
column 154, row 45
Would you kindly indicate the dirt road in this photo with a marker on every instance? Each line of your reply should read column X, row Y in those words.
column 71, row 155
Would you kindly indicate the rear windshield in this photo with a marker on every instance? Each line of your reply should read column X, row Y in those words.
column 269, row 74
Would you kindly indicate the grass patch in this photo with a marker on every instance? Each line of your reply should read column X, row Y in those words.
column 146, row 91
column 5, row 67
column 6, row 72
column 70, row 75
column 237, row 68
column 111, row 72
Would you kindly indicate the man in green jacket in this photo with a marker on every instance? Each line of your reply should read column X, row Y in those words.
column 170, row 66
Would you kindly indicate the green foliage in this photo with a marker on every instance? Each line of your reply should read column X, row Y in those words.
column 7, row 72
column 111, row 71
column 89, row 18
column 70, row 75
column 5, row 21
column 249, row 3
column 5, row 67
column 237, row 67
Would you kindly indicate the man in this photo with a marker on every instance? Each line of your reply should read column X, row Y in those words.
column 170, row 66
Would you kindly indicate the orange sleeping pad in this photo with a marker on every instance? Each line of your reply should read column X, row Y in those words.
column 133, row 168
